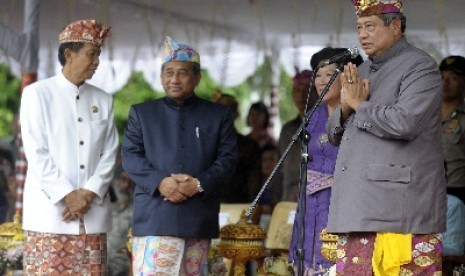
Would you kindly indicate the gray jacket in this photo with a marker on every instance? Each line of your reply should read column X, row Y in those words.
column 389, row 174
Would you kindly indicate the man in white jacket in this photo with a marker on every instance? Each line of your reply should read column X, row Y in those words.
column 70, row 141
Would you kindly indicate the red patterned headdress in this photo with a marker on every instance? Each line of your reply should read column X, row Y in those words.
column 89, row 30
column 373, row 7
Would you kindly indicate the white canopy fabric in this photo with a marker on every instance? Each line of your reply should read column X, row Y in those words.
column 23, row 46
column 232, row 36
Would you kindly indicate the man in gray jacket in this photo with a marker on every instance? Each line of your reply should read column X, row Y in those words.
column 388, row 201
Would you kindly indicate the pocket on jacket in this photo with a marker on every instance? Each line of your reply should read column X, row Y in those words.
column 206, row 143
column 390, row 173
column 98, row 123
column 96, row 131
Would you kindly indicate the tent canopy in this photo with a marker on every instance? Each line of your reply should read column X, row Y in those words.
column 232, row 36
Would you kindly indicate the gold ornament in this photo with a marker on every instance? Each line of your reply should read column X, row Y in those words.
column 129, row 240
column 241, row 242
column 11, row 233
column 329, row 246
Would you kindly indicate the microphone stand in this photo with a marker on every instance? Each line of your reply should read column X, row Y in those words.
column 300, row 252
column 302, row 199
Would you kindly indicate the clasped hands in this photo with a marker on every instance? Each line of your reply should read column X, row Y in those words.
column 78, row 203
column 354, row 90
column 177, row 188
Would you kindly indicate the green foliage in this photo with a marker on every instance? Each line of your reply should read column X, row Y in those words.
column 260, row 83
column 136, row 90
column 206, row 87
column 241, row 93
column 287, row 108
column 9, row 99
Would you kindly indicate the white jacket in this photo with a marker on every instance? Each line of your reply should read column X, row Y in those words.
column 71, row 142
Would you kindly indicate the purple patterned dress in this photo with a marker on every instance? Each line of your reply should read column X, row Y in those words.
column 318, row 193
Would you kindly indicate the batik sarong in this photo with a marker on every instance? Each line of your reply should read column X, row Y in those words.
column 164, row 256
column 355, row 253
column 60, row 254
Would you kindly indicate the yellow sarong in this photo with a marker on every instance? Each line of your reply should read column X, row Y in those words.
column 391, row 250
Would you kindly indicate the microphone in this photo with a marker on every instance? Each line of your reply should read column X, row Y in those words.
column 349, row 53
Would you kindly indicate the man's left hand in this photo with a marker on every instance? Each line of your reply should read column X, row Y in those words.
column 67, row 216
column 187, row 184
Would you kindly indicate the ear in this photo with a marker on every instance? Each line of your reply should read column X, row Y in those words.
column 396, row 26
column 68, row 53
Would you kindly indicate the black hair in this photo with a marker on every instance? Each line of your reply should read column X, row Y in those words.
column 229, row 101
column 195, row 68
column 328, row 52
column 269, row 147
column 260, row 106
column 389, row 17
column 73, row 46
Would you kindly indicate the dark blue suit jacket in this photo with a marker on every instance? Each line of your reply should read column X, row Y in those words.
column 161, row 138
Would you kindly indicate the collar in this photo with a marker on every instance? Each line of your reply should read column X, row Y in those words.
column 189, row 101
column 67, row 85
column 378, row 61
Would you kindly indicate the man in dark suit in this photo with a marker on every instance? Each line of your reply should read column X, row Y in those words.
column 178, row 150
